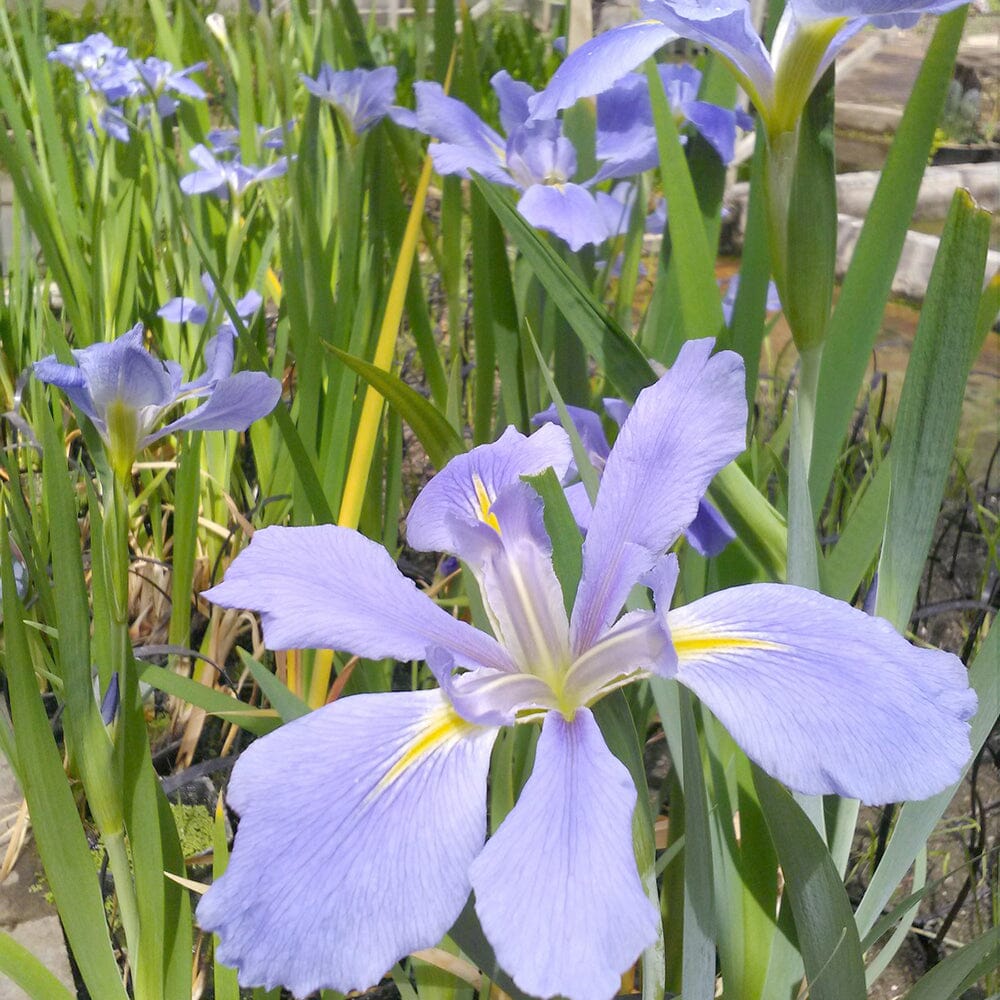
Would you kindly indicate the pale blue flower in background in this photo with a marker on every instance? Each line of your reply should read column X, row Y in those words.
column 362, row 96
column 225, row 178
column 535, row 158
column 114, row 78
column 125, row 392
column 185, row 310
column 626, row 134
column 388, row 791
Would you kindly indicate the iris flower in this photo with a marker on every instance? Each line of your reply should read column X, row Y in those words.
column 362, row 96
column 535, row 158
column 114, row 77
column 185, row 310
column 125, row 392
column 626, row 134
column 363, row 823
column 226, row 177
column 806, row 41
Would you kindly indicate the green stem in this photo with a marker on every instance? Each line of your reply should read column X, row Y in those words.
column 121, row 872
column 803, row 562
column 803, row 557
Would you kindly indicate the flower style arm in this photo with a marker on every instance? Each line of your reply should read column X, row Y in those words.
column 824, row 697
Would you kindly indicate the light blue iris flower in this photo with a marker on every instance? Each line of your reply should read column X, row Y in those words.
column 362, row 96
column 806, row 41
column 363, row 824
column 535, row 158
column 125, row 392
column 226, row 177
column 626, row 134
column 113, row 77
column 184, row 310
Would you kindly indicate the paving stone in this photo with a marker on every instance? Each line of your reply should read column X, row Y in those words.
column 25, row 913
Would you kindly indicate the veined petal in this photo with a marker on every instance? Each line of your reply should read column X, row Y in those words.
column 680, row 433
column 358, row 823
column 467, row 487
column 327, row 587
column 557, row 889
column 823, row 696
column 599, row 63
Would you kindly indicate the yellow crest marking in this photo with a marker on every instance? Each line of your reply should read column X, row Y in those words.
column 486, row 514
column 690, row 644
column 441, row 727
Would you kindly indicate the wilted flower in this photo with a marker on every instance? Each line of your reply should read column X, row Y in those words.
column 125, row 392
column 363, row 824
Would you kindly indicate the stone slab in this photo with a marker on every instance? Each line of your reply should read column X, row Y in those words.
column 25, row 913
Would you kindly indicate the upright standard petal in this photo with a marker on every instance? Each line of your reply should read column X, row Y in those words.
column 557, row 889
column 327, row 587
column 823, row 696
column 467, row 487
column 358, row 823
column 680, row 433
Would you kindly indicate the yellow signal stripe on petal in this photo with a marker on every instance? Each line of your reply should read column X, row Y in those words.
column 486, row 514
column 690, row 644
column 442, row 727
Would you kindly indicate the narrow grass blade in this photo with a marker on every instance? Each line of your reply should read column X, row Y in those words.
column 623, row 363
column 858, row 546
column 287, row 704
column 691, row 257
column 440, row 440
column 356, row 483
column 858, row 316
column 254, row 720
column 948, row 979
column 824, row 923
column 930, row 406
column 62, row 843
